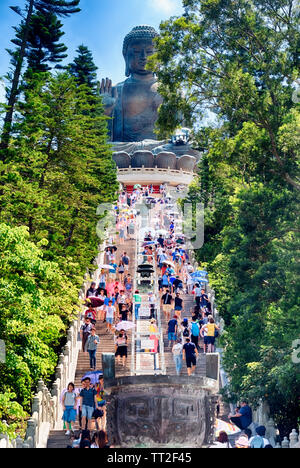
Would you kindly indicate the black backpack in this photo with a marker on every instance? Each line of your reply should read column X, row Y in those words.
column 186, row 332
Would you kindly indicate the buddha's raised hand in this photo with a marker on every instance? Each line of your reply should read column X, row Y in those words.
column 109, row 94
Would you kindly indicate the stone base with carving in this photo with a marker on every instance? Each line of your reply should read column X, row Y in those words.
column 162, row 411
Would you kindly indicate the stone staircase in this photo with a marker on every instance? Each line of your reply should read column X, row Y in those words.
column 58, row 439
column 170, row 365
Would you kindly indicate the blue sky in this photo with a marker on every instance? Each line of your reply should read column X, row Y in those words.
column 101, row 25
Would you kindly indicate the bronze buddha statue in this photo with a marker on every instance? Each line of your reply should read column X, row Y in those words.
column 133, row 104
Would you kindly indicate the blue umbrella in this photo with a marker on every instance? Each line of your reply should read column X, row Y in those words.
column 94, row 376
column 201, row 280
column 198, row 274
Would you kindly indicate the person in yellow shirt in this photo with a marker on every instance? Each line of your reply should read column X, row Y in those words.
column 211, row 329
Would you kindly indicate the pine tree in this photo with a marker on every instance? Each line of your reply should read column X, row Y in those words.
column 58, row 7
column 84, row 68
column 61, row 170
column 43, row 46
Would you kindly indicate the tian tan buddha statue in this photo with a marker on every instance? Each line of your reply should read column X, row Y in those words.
column 133, row 104
column 133, row 108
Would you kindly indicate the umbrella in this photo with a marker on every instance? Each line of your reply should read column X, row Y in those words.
column 166, row 262
column 200, row 280
column 137, row 186
column 148, row 243
column 222, row 426
column 94, row 376
column 199, row 274
column 106, row 267
column 95, row 301
column 111, row 247
column 125, row 325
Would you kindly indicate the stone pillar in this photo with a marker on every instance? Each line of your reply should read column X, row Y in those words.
column 213, row 366
column 293, row 438
column 108, row 366
column 285, row 443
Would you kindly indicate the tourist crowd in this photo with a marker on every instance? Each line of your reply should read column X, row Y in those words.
column 114, row 300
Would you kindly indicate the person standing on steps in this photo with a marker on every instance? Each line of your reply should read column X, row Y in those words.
column 88, row 397
column 177, row 356
column 195, row 332
column 69, row 408
column 85, row 332
column 190, row 354
column 92, row 345
column 110, row 312
column 212, row 331
column 172, row 330
column 166, row 302
column 126, row 260
column 101, row 404
column 121, row 348
column 178, row 305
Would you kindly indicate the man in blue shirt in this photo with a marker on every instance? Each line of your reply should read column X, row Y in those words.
column 242, row 417
column 88, row 402
column 172, row 330
column 190, row 354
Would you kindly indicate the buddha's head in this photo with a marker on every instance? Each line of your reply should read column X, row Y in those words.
column 138, row 46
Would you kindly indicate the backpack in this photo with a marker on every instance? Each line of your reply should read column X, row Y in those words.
column 195, row 329
column 186, row 332
column 258, row 442
column 125, row 260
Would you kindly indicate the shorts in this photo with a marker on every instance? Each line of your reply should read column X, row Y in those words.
column 69, row 414
column 172, row 336
column 206, row 341
column 121, row 351
column 101, row 403
column 167, row 308
column 191, row 360
column 87, row 411
column 109, row 320
column 211, row 340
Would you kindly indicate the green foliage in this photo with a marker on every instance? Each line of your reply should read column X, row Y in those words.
column 42, row 43
column 84, row 68
column 239, row 60
column 36, row 306
column 60, row 170
column 13, row 414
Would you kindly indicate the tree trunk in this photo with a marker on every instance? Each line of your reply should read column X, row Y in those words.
column 15, row 86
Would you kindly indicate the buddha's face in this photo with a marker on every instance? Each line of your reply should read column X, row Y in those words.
column 137, row 55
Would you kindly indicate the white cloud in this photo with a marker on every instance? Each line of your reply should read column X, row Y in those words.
column 169, row 7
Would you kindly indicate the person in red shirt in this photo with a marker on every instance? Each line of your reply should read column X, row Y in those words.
column 91, row 314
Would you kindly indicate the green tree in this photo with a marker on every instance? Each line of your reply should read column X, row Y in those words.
column 42, row 44
column 37, row 302
column 60, row 170
column 84, row 68
column 239, row 60
column 58, row 7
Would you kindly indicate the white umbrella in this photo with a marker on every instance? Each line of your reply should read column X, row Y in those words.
column 166, row 262
column 106, row 267
column 125, row 325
